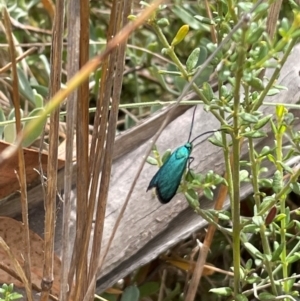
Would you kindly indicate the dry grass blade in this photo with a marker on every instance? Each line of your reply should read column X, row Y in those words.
column 73, row 11
column 212, row 27
column 82, row 144
column 22, row 172
column 50, row 202
column 101, row 160
column 273, row 14
column 18, row 59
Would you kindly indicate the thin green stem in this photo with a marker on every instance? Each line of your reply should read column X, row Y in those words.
column 231, row 7
column 265, row 242
column 235, row 202
column 279, row 138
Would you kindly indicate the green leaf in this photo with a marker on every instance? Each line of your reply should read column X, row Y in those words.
column 10, row 133
column 263, row 50
column 285, row 25
column 249, row 118
column 273, row 92
column 254, row 34
column 192, row 198
column 187, row 18
column 15, row 296
column 265, row 151
column 276, row 254
column 253, row 250
column 257, row 220
column 277, row 181
column 254, row 134
column 296, row 187
column 286, row 167
column 43, row 91
column 166, row 156
column 38, row 99
column 279, row 217
column 252, row 279
column 191, row 176
column 267, row 201
column 293, row 258
column 266, row 296
column 240, row 297
column 244, row 175
column 224, row 217
column 222, row 291
column 262, row 122
column 131, row 293
column 216, row 140
column 208, row 91
column 24, row 86
column 205, row 20
column 151, row 160
column 208, row 193
column 192, row 60
column 2, row 118
column 245, row 6
column 251, row 228
column 163, row 22
column 261, row 8
column 148, row 289
column 29, row 139
column 256, row 83
column 249, row 264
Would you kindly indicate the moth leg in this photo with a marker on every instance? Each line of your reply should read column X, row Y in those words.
column 191, row 159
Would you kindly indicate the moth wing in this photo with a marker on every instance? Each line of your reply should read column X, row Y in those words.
column 168, row 178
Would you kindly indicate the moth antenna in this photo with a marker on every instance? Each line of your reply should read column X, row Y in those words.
column 208, row 132
column 192, row 124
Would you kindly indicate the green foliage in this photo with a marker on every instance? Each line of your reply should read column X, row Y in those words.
column 8, row 294
column 239, row 67
column 131, row 293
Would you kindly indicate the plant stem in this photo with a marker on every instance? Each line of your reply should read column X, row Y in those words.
column 265, row 242
column 279, row 138
column 235, row 199
column 231, row 11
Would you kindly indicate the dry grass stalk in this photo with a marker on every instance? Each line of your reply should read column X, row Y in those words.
column 73, row 24
column 50, row 201
column 82, row 144
column 22, row 172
